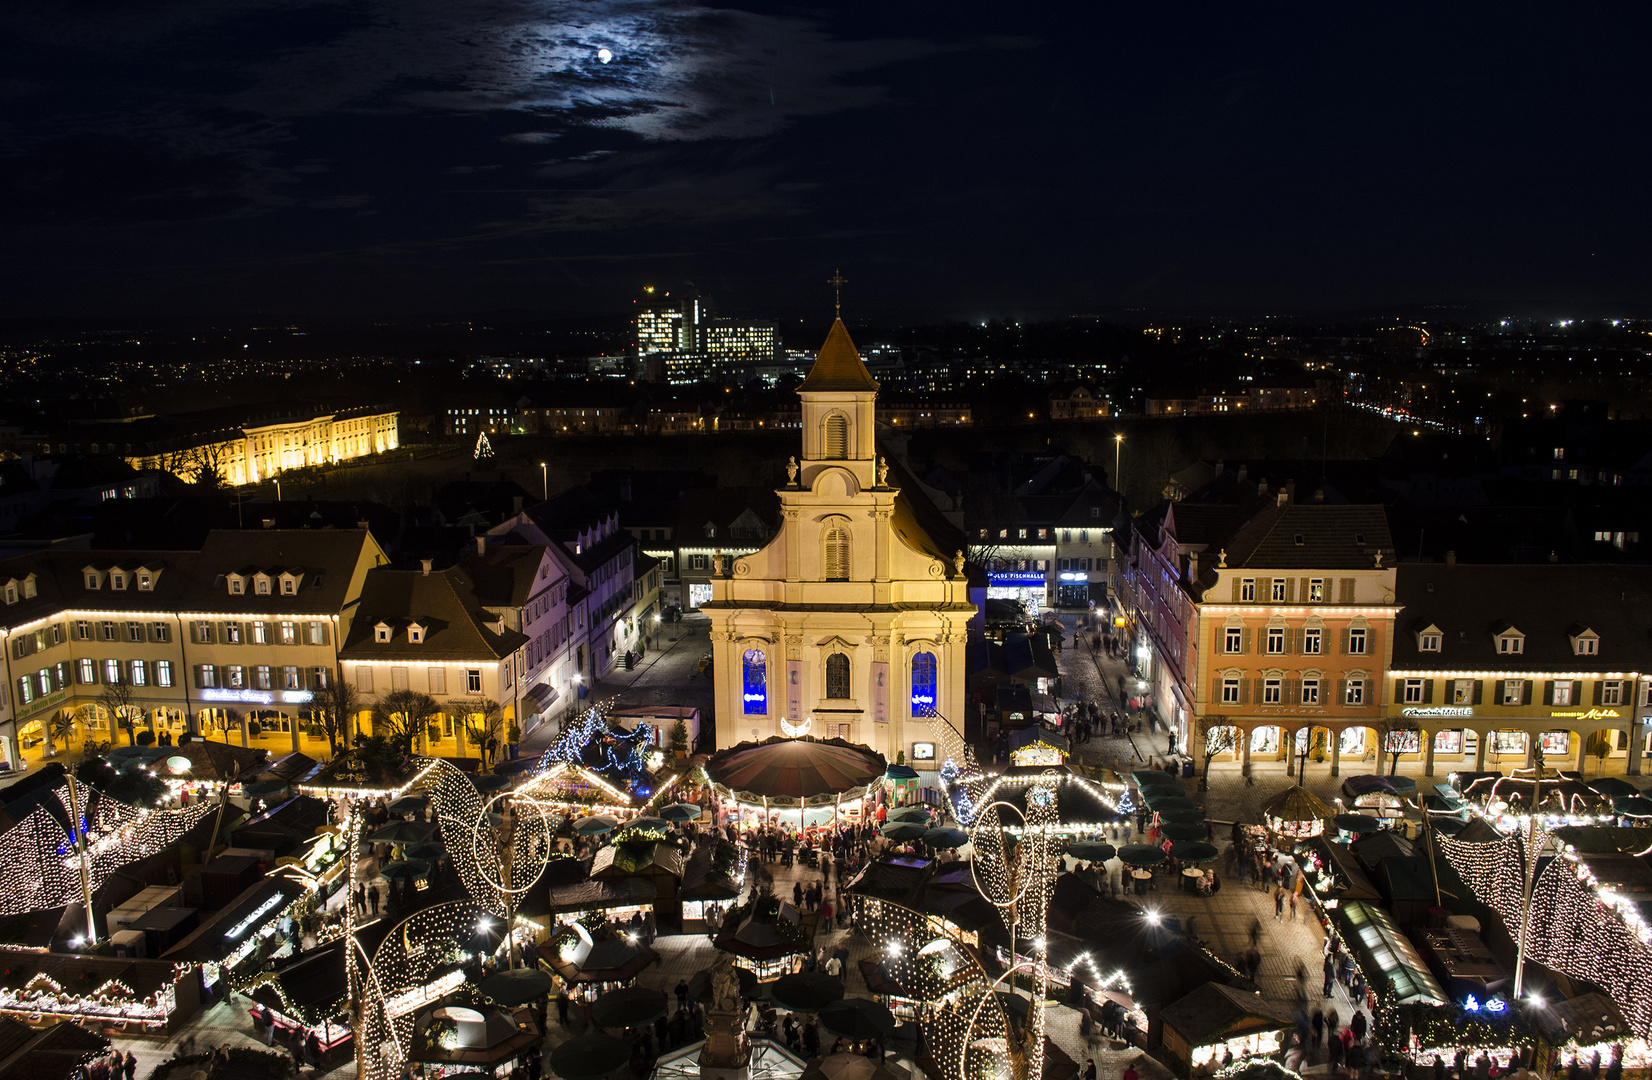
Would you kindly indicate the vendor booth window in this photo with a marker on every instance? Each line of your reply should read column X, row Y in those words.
column 837, row 676
column 755, row 681
column 923, row 681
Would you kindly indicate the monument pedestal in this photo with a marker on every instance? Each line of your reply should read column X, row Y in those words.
column 727, row 1052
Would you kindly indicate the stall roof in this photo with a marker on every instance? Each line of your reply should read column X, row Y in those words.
column 52, row 1054
column 1347, row 867
column 285, row 827
column 1394, row 954
column 141, row 977
column 1028, row 735
column 310, row 987
column 1208, row 1014
column 216, row 938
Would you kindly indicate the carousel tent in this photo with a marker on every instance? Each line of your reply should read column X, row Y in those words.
column 795, row 769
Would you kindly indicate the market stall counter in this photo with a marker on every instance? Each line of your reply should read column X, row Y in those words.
column 234, row 943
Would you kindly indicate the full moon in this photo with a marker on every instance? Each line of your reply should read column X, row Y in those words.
column 604, row 55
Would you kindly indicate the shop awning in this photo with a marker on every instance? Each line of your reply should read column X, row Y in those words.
column 539, row 697
column 1381, row 943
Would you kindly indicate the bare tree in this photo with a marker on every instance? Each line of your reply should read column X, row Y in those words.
column 117, row 699
column 484, row 720
column 1219, row 737
column 1399, row 736
column 400, row 715
column 333, row 708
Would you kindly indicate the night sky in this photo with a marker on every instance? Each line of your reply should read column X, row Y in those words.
column 957, row 160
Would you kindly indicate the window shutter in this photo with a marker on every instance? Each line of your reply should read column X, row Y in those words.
column 1399, row 689
column 1499, row 690
column 364, row 679
column 1293, row 691
column 1264, row 590
column 1526, row 695
column 1428, row 691
column 1548, row 692
column 1599, row 686
column 1342, row 691
column 1246, row 646
column 1304, row 592
column 1346, row 589
column 1292, row 641
column 200, row 675
column 1478, row 686
column 1343, row 635
column 1244, row 691
column 1216, row 691
column 1290, row 590
column 1235, row 590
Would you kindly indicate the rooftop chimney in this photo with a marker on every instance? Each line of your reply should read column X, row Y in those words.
column 1319, row 495
column 1451, row 558
column 516, row 504
column 1554, row 556
column 1262, row 486
column 1219, row 467
column 1192, row 566
column 362, row 525
column 481, row 545
column 1284, row 498
column 425, row 565
column 1240, row 475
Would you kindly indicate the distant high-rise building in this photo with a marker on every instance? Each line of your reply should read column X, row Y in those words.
column 667, row 324
column 679, row 341
column 730, row 341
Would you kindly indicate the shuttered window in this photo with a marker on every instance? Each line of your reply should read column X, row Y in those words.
column 837, row 555
column 837, row 437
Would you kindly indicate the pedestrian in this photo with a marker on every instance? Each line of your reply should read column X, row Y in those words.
column 130, row 1068
column 811, row 1038
column 1293, row 907
column 1089, row 1069
column 1356, row 1060
column 373, row 898
column 1357, row 1026
column 1439, row 1068
column 1335, row 1058
column 1278, row 904
column 562, row 1006
column 682, row 993
column 826, row 913
column 1318, row 1022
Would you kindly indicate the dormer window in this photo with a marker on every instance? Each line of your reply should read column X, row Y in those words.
column 237, row 585
column 146, row 582
column 261, row 585
column 381, row 633
column 94, row 580
column 1511, row 643
column 28, row 587
column 415, row 633
column 1585, row 642
column 117, row 581
column 1430, row 639
column 289, row 585
column 11, row 592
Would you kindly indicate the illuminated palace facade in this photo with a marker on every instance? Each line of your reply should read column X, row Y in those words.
column 851, row 621
column 255, row 451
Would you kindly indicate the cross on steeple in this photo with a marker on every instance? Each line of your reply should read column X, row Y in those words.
column 837, row 281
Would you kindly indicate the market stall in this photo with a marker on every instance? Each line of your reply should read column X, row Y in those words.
column 259, row 925
column 113, row 995
column 1215, row 1020
column 1386, row 954
column 1296, row 814
column 307, row 994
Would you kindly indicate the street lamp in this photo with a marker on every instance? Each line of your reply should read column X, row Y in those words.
column 1118, row 450
column 278, row 491
column 544, row 482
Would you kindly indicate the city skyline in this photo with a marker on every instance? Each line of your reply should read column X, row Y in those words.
column 233, row 158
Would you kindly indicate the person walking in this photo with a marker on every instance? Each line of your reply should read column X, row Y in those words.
column 1278, row 904
column 826, row 913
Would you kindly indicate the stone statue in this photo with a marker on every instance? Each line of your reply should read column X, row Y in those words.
column 717, row 562
column 958, row 562
column 725, row 985
column 883, row 472
column 1223, row 556
column 791, row 471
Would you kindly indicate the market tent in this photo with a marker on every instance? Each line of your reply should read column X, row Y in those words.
column 516, row 986
column 1387, row 953
column 628, row 1007
column 1213, row 1014
column 1094, row 850
column 60, row 1050
column 1614, row 787
column 1296, row 812
column 1193, row 851
column 794, row 769
column 858, row 1019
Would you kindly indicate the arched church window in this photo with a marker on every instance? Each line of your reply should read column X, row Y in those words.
column 755, row 682
column 837, row 554
column 923, row 682
column 837, row 676
column 837, row 437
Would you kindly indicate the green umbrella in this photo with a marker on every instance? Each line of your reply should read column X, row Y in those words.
column 518, row 986
column 264, row 789
column 405, row 869
column 1142, row 855
column 1144, row 777
column 945, row 838
column 489, row 781
column 404, row 832
column 680, row 812
column 645, row 824
column 628, row 1007
column 1402, row 785
column 1183, row 817
column 1637, row 806
column 595, row 825
column 427, row 852
column 1184, row 832
column 910, row 813
column 590, row 1056
column 903, row 830
column 1614, row 787
column 807, row 992
column 1193, row 851
column 1356, row 823
column 1091, row 850
column 407, row 804
column 1015, row 1005
column 858, row 1018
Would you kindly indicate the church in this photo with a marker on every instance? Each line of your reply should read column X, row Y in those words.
column 852, row 621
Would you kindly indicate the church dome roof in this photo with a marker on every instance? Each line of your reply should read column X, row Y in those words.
column 838, row 365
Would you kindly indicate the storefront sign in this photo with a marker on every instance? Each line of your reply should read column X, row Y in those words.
column 259, row 697
column 257, row 913
column 1437, row 710
column 1589, row 714
column 1016, row 578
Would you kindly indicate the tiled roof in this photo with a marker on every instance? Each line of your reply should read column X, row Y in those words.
column 1544, row 601
column 443, row 602
column 327, row 557
column 60, row 582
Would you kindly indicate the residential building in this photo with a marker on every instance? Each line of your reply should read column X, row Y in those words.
column 1267, row 619
column 527, row 586
column 1492, row 663
column 426, row 631
column 852, row 620
column 1079, row 403
column 84, row 631
column 260, row 622
column 718, row 521
column 1017, row 509
column 1084, row 549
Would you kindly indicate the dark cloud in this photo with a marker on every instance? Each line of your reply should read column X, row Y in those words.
column 110, row 181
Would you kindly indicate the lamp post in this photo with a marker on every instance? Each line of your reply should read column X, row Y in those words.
column 278, row 491
column 544, row 482
column 1118, row 451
